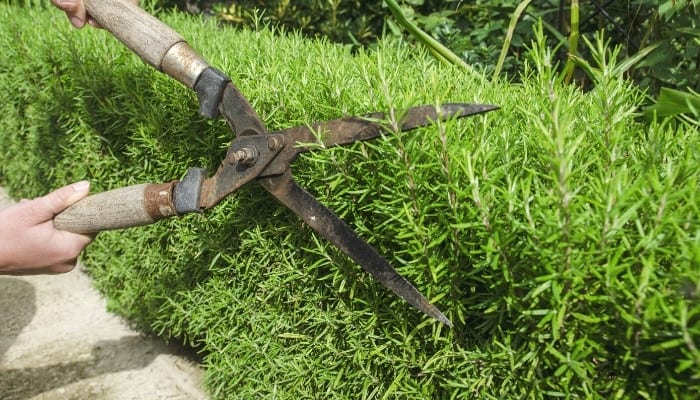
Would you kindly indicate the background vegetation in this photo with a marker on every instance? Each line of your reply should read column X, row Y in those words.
column 476, row 30
column 560, row 233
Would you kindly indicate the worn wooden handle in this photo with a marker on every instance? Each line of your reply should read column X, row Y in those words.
column 156, row 43
column 120, row 208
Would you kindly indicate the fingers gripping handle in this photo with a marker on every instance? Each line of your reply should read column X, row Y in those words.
column 156, row 43
column 119, row 208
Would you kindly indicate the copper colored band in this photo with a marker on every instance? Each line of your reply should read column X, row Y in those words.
column 158, row 199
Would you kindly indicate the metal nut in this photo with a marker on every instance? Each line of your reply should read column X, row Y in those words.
column 275, row 142
column 247, row 155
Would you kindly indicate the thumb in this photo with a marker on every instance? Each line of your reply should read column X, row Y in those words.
column 75, row 10
column 60, row 199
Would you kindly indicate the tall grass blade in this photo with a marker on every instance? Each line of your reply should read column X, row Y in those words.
column 437, row 49
column 573, row 42
column 509, row 36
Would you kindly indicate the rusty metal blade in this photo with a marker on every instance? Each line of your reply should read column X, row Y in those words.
column 347, row 130
column 329, row 225
column 239, row 114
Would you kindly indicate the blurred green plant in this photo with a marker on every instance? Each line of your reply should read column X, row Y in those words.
column 435, row 48
column 345, row 21
column 675, row 25
column 509, row 36
column 491, row 35
column 673, row 102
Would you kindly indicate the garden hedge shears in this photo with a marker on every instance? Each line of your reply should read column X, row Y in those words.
column 254, row 154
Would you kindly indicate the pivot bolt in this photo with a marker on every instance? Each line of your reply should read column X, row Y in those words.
column 246, row 156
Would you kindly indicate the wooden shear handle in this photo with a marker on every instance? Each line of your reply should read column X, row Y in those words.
column 156, row 43
column 119, row 208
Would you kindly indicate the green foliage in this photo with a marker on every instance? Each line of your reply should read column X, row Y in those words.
column 347, row 21
column 559, row 234
column 479, row 29
column 676, row 26
column 674, row 102
column 436, row 48
column 492, row 35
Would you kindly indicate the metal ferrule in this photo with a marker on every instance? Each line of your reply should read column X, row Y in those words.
column 183, row 63
column 158, row 199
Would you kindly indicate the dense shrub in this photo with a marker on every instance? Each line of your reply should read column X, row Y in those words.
column 560, row 234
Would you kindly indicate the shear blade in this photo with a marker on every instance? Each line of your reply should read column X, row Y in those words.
column 348, row 130
column 329, row 225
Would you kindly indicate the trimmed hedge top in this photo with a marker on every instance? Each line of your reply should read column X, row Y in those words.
column 559, row 234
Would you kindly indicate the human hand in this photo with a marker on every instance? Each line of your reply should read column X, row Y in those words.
column 75, row 11
column 77, row 15
column 29, row 243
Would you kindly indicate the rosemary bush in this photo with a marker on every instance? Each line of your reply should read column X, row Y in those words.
column 560, row 233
